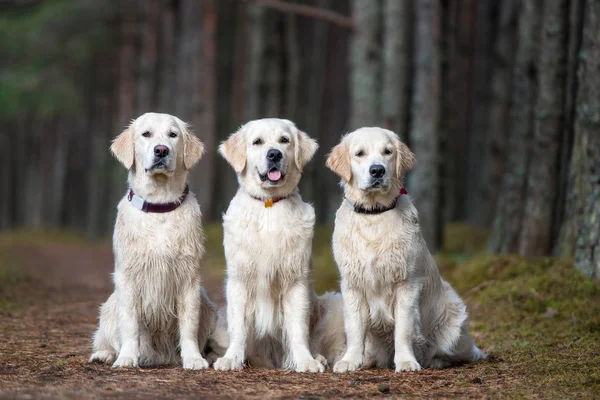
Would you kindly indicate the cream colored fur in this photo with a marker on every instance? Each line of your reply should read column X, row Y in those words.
column 268, row 252
column 327, row 340
column 158, row 313
column 397, row 308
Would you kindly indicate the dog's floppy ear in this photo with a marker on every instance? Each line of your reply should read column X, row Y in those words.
column 339, row 161
column 123, row 147
column 234, row 150
column 404, row 158
column 306, row 147
column 193, row 148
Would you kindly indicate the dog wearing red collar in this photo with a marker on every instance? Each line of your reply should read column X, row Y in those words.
column 398, row 310
column 158, row 314
column 268, row 242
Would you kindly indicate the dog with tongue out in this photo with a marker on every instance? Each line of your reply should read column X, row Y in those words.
column 268, row 232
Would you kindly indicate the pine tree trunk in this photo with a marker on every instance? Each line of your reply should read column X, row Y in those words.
column 6, row 179
column 396, row 66
column 585, row 165
column 511, row 204
column 424, row 181
column 542, row 180
column 335, row 111
column 566, row 212
column 168, row 60
column 196, row 87
column 148, row 32
column 255, row 61
column 483, row 52
column 365, row 64
column 490, row 181
column 310, row 113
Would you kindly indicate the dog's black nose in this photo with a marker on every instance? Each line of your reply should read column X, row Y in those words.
column 161, row 151
column 377, row 170
column 274, row 155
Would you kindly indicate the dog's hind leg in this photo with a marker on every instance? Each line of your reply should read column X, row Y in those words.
column 106, row 339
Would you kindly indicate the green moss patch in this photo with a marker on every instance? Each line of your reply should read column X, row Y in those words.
column 539, row 320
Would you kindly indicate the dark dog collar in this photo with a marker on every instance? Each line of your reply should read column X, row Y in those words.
column 160, row 208
column 270, row 201
column 377, row 209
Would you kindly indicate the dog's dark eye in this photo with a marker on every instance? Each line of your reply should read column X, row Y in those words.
column 387, row 152
column 284, row 140
column 146, row 134
column 360, row 153
column 173, row 135
column 257, row 142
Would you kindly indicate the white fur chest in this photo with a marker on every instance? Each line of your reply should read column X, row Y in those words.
column 375, row 251
column 270, row 245
column 158, row 254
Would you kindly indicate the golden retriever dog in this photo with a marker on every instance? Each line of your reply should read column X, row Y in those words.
column 397, row 308
column 268, row 232
column 158, row 305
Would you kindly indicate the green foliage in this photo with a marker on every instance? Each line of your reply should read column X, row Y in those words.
column 47, row 51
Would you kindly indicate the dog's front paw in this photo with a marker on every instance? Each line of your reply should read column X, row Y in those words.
column 407, row 366
column 195, row 363
column 103, row 356
column 346, row 365
column 310, row 365
column 125, row 362
column 322, row 360
column 228, row 364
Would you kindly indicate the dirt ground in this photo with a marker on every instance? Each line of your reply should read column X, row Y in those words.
column 45, row 343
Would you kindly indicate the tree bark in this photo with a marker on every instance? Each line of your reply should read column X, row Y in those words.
column 542, row 180
column 396, row 66
column 148, row 32
column 365, row 64
column 424, row 181
column 255, row 61
column 511, row 204
column 564, row 229
column 335, row 112
column 196, row 94
column 490, row 180
column 478, row 124
column 585, row 166
column 167, row 66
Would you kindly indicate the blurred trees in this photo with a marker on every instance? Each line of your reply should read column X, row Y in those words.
column 499, row 101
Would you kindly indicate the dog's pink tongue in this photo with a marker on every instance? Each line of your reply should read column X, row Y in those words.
column 274, row 175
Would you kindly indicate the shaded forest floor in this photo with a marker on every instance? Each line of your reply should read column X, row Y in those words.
column 538, row 320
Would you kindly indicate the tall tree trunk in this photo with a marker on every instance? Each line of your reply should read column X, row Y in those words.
column 511, row 204
column 542, row 181
column 231, row 45
column 59, row 172
column 336, row 112
column 311, row 113
column 483, row 52
column 396, row 66
column 564, row 228
column 490, row 180
column 7, row 188
column 585, row 165
column 148, row 32
column 273, row 74
column 255, row 61
column 459, row 85
column 196, row 87
column 168, row 60
column 424, row 181
column 365, row 63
